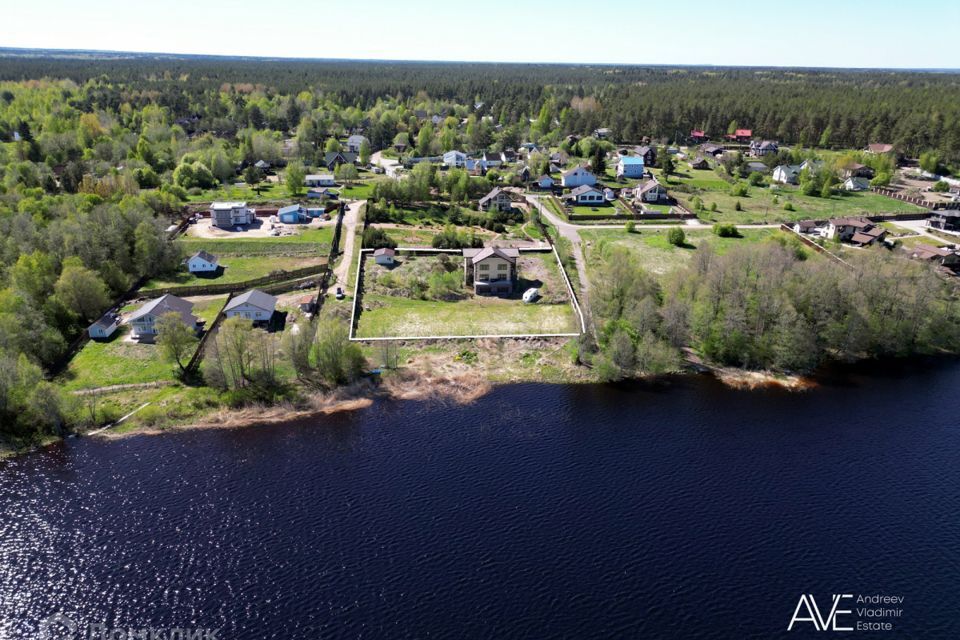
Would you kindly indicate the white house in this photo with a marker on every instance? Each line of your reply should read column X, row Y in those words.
column 854, row 183
column 105, row 326
column 319, row 180
column 585, row 194
column 630, row 167
column 354, row 142
column 252, row 305
column 143, row 321
column 203, row 262
column 231, row 214
column 455, row 158
column 786, row 174
column 384, row 256
column 576, row 177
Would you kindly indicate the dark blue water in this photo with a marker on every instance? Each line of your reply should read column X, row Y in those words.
column 683, row 510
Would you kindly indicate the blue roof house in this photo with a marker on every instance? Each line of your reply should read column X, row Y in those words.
column 630, row 167
column 292, row 214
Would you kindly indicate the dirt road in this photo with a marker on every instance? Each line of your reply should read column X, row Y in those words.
column 348, row 243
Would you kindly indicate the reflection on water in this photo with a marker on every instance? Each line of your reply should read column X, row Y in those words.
column 671, row 509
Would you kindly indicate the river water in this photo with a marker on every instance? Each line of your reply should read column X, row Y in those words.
column 677, row 510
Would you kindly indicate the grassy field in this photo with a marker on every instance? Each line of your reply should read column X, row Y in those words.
column 762, row 204
column 412, row 236
column 396, row 316
column 357, row 191
column 657, row 254
column 237, row 269
column 117, row 361
column 387, row 313
column 315, row 241
column 268, row 191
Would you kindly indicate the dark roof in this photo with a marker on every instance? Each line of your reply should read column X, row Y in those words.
column 341, row 156
column 203, row 255
column 490, row 196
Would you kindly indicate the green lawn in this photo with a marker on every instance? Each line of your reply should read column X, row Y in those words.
column 314, row 241
column 237, row 269
column 658, row 256
column 100, row 364
column 396, row 316
column 411, row 236
column 606, row 209
column 759, row 206
column 357, row 191
column 387, row 313
column 268, row 191
column 207, row 310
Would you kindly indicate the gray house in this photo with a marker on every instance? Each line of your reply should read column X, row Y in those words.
column 143, row 321
column 252, row 305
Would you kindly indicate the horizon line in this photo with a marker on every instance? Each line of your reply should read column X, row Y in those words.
column 115, row 52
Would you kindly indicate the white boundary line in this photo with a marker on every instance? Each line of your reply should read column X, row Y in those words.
column 550, row 249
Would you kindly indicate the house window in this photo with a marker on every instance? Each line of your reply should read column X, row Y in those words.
column 484, row 267
column 501, row 267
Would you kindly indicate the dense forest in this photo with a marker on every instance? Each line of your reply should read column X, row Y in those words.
column 99, row 153
column 916, row 111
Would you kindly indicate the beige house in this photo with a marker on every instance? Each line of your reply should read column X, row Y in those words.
column 491, row 270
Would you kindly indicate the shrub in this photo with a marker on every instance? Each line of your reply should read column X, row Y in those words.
column 726, row 230
column 376, row 238
column 940, row 187
column 737, row 206
column 739, row 190
column 713, row 206
column 631, row 226
column 788, row 207
column 676, row 237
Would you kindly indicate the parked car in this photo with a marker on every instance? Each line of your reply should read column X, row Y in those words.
column 340, row 294
column 531, row 295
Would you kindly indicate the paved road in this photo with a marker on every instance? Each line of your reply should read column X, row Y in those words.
column 348, row 240
column 920, row 228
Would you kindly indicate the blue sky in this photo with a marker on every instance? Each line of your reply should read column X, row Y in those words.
column 836, row 33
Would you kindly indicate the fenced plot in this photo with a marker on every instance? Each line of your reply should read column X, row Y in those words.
column 424, row 296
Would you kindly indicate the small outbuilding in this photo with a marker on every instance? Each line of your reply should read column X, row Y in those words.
column 105, row 327
column 292, row 214
column 385, row 256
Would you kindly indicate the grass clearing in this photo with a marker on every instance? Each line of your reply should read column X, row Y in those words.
column 116, row 361
column 658, row 256
column 765, row 205
column 316, row 241
column 389, row 311
column 235, row 269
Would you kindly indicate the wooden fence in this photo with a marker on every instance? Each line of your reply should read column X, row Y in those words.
column 194, row 365
column 217, row 289
column 920, row 202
